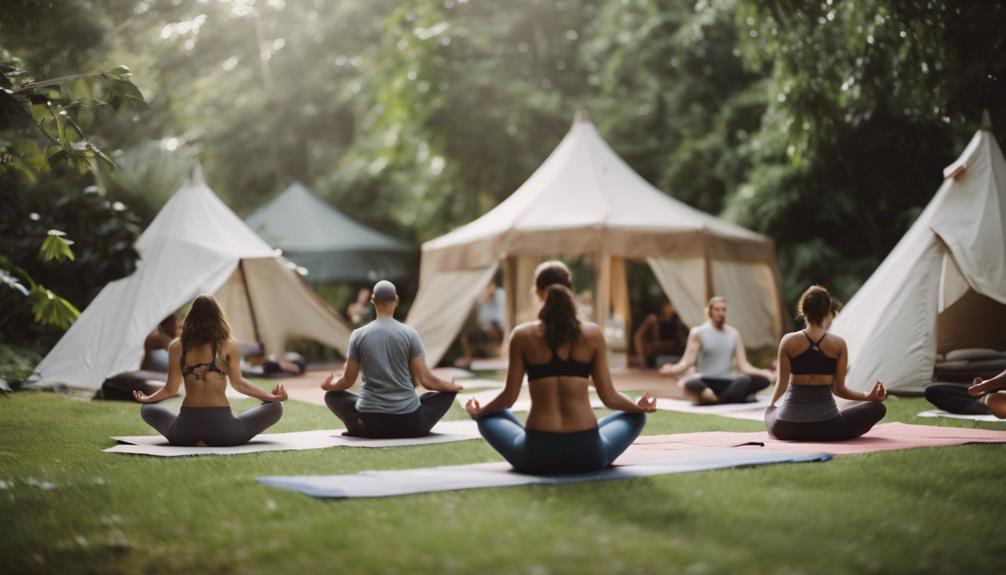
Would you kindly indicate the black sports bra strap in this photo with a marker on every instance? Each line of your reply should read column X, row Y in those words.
column 815, row 344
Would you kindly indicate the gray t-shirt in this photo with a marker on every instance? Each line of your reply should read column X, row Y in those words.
column 383, row 349
column 717, row 353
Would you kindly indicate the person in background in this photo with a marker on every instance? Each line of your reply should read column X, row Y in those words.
column 658, row 335
column 359, row 312
column 712, row 347
column 204, row 357
column 812, row 368
column 489, row 324
column 560, row 355
column 392, row 359
column 982, row 398
column 155, row 346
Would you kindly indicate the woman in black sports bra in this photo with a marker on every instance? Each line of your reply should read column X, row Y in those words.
column 560, row 355
column 203, row 356
column 812, row 367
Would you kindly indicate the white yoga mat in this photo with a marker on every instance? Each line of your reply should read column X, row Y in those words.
column 157, row 446
column 452, row 372
column 751, row 411
column 948, row 415
column 410, row 481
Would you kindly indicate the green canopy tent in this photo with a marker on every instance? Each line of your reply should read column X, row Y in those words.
column 331, row 245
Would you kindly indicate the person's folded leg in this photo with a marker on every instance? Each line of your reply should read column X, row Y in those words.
column 255, row 421
column 618, row 431
column 735, row 391
column 694, row 385
column 757, row 384
column 955, row 399
column 506, row 434
column 343, row 404
column 861, row 418
column 159, row 418
column 433, row 405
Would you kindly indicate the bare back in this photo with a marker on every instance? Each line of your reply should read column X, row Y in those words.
column 203, row 372
column 560, row 403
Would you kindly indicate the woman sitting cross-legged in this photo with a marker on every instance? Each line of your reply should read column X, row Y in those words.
column 203, row 357
column 812, row 367
column 560, row 355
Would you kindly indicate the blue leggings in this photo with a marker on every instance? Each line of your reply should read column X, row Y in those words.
column 547, row 453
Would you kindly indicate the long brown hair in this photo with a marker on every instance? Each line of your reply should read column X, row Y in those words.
column 558, row 314
column 205, row 323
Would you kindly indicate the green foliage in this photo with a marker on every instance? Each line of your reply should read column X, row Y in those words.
column 55, row 248
column 16, row 363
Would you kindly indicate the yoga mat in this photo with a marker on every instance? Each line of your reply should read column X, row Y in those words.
column 456, row 477
column 490, row 364
column 886, row 437
column 157, row 446
column 751, row 411
column 948, row 415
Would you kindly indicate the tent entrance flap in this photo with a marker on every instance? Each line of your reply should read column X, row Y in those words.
column 442, row 305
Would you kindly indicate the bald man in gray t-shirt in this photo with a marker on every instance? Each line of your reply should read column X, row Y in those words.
column 393, row 361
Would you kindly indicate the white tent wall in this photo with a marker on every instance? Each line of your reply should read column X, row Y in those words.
column 890, row 325
column 193, row 246
column 284, row 308
column 442, row 305
column 684, row 283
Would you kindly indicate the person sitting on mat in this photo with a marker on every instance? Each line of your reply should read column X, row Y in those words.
column 203, row 357
column 659, row 335
column 155, row 346
column 711, row 348
column 979, row 399
column 812, row 367
column 393, row 360
column 560, row 355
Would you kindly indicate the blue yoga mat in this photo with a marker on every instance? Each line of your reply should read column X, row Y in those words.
column 455, row 477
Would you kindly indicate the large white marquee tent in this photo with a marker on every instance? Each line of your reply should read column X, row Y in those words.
column 584, row 200
column 195, row 245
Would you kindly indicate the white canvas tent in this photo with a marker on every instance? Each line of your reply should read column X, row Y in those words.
column 948, row 270
column 195, row 245
column 331, row 245
column 584, row 200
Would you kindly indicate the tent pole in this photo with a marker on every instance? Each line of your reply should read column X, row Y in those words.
column 251, row 308
column 602, row 286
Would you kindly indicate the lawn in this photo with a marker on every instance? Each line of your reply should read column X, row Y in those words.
column 69, row 508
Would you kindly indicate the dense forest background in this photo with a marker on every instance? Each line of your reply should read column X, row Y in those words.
column 824, row 124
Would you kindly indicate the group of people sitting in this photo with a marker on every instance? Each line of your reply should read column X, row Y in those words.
column 560, row 355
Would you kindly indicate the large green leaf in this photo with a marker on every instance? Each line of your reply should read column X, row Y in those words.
column 55, row 248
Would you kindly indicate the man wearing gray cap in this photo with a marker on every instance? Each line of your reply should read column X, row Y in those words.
column 393, row 361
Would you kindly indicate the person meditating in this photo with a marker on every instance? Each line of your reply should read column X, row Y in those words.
column 204, row 356
column 659, row 335
column 560, row 355
column 711, row 348
column 812, row 367
column 979, row 399
column 155, row 346
column 393, row 360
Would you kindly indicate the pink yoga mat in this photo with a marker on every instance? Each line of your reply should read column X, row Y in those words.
column 886, row 437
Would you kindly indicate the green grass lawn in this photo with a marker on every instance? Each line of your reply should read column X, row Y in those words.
column 67, row 507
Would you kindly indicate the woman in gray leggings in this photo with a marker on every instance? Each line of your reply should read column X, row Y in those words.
column 812, row 367
column 203, row 357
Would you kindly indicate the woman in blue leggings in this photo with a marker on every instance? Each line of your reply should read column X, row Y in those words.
column 561, row 355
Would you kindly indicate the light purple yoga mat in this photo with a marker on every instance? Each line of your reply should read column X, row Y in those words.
column 455, row 477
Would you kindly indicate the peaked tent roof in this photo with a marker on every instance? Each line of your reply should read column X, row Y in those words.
column 193, row 246
column 329, row 243
column 583, row 184
column 957, row 243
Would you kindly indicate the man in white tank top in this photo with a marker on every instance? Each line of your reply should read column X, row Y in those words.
column 711, row 348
